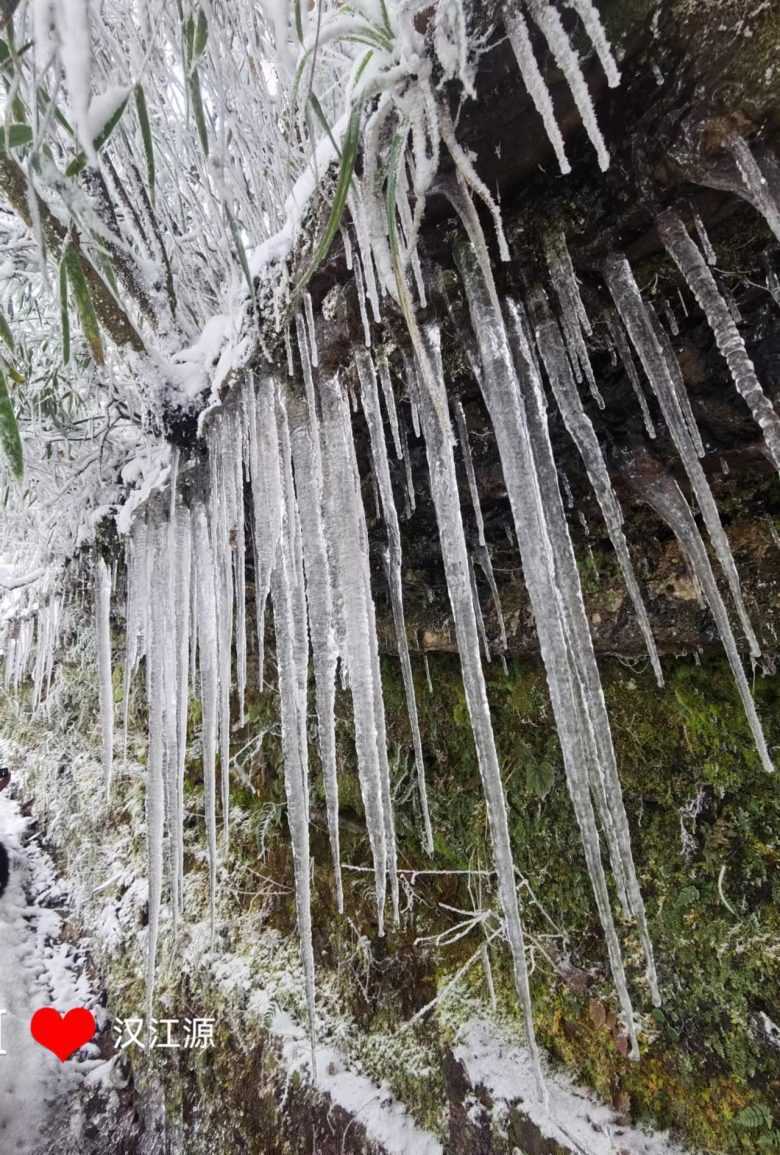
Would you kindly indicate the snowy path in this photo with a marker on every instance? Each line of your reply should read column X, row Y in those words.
column 39, row 1101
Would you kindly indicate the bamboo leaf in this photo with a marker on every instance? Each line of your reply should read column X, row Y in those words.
column 79, row 163
column 64, row 313
column 15, row 136
column 9, row 432
column 146, row 133
column 348, row 158
column 197, row 108
column 240, row 250
column 6, row 333
column 86, row 310
column 201, row 35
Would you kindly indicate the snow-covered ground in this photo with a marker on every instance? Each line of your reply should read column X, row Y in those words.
column 574, row 1118
column 40, row 1101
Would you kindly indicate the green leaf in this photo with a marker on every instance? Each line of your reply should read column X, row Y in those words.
column 539, row 777
column 201, row 35
column 86, row 310
column 15, row 136
column 146, row 133
column 753, row 1117
column 9, row 433
column 64, row 313
column 197, row 108
column 6, row 333
column 79, row 163
column 348, row 158
column 195, row 39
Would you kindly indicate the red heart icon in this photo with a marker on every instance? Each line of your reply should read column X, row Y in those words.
column 62, row 1034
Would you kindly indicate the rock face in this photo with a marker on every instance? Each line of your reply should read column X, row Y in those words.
column 692, row 76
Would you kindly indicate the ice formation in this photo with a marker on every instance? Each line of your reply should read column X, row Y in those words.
column 281, row 478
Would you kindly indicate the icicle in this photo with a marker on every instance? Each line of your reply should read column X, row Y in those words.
column 553, row 584
column 665, row 496
column 204, row 572
column 238, row 533
column 468, row 176
column 361, row 296
column 517, row 31
column 105, row 684
column 263, row 441
column 348, row 540
column 671, row 320
column 482, row 552
column 478, row 611
column 393, row 560
column 155, row 818
column 183, row 604
column 755, row 182
column 676, row 377
column 773, row 284
column 444, row 490
column 309, row 308
column 553, row 353
column 618, row 333
column 307, row 460
column 702, row 284
column 634, row 314
column 548, row 20
column 284, row 580
column 222, row 450
column 591, row 20
column 574, row 318
column 390, row 405
column 411, row 501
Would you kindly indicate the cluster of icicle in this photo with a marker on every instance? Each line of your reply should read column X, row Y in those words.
column 285, row 447
column 288, row 447
column 29, row 643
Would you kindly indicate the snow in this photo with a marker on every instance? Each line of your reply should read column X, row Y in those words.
column 36, row 969
column 572, row 1118
column 386, row 1121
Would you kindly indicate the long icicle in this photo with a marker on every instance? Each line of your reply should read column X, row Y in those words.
column 307, row 460
column 439, row 441
column 348, row 541
column 287, row 608
column 482, row 551
column 566, row 646
column 155, row 823
column 553, row 353
column 586, row 699
column 633, row 311
column 548, row 20
column 393, row 560
column 543, row 580
column 105, row 686
column 702, row 284
column 665, row 496
column 209, row 681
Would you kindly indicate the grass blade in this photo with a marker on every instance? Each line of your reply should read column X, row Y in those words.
column 9, row 432
column 146, row 133
column 64, row 313
column 86, row 310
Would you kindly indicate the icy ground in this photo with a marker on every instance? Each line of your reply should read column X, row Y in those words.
column 40, row 1100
